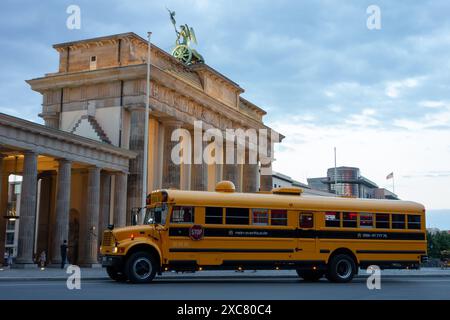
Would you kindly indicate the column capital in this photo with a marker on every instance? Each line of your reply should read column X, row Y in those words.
column 29, row 152
column 172, row 123
column 64, row 160
column 136, row 107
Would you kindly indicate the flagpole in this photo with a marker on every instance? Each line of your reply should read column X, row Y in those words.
column 147, row 114
column 335, row 173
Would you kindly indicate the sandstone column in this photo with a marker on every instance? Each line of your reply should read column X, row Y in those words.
column 61, row 230
column 154, row 161
column 266, row 179
column 3, row 206
column 231, row 169
column 249, row 174
column 199, row 171
column 186, row 168
column 45, row 204
column 120, row 200
column 27, row 211
column 137, row 128
column 171, row 171
column 105, row 198
column 89, row 224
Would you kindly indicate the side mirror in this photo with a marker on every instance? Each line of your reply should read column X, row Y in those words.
column 110, row 226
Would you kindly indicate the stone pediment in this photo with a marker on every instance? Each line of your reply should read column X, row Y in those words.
column 88, row 127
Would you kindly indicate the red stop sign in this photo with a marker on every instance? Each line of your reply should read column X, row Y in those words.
column 196, row 232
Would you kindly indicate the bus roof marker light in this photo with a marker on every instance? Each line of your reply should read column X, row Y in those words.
column 225, row 186
column 288, row 191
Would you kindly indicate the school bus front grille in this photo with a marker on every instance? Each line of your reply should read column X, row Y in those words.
column 107, row 240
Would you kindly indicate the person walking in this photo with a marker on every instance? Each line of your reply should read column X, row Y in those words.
column 63, row 254
column 42, row 259
column 10, row 259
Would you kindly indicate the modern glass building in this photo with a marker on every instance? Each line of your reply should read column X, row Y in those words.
column 348, row 182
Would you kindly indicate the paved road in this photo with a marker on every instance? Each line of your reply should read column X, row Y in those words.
column 408, row 288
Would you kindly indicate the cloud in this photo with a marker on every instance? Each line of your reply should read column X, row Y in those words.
column 436, row 119
column 433, row 104
column 335, row 108
column 365, row 118
column 395, row 88
column 376, row 152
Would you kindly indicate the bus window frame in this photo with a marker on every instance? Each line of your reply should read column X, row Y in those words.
column 356, row 221
column 267, row 211
column 306, row 213
column 413, row 215
column 224, row 214
column 286, row 219
column 214, row 224
column 340, row 219
column 405, row 221
column 389, row 220
column 180, row 223
column 366, row 227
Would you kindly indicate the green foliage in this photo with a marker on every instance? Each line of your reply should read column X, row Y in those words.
column 437, row 243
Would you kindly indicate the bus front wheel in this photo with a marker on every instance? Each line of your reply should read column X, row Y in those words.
column 310, row 275
column 141, row 267
column 341, row 269
column 116, row 275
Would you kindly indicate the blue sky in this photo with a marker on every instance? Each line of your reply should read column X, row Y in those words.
column 382, row 97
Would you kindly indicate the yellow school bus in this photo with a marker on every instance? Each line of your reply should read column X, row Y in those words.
column 226, row 230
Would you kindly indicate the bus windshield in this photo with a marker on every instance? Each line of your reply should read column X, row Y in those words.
column 156, row 215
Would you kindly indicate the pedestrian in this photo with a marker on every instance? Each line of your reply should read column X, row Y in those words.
column 63, row 254
column 10, row 259
column 42, row 259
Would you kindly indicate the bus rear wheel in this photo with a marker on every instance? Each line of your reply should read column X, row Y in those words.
column 141, row 267
column 116, row 275
column 310, row 275
column 341, row 269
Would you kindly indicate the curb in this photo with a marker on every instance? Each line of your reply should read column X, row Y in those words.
column 239, row 277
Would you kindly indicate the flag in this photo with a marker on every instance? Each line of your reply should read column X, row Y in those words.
column 390, row 176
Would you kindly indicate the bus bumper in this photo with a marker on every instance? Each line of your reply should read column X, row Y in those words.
column 112, row 261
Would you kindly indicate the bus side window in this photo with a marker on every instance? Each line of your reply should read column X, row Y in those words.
column 398, row 221
column 382, row 221
column 350, row 219
column 260, row 217
column 306, row 220
column 213, row 215
column 332, row 219
column 278, row 217
column 414, row 222
column 365, row 220
column 237, row 216
column 182, row 215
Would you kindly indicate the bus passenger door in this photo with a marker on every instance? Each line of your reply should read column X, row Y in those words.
column 179, row 242
column 306, row 240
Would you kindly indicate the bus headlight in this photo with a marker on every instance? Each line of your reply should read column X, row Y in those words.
column 115, row 249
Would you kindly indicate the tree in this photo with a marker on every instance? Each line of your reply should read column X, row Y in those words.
column 438, row 242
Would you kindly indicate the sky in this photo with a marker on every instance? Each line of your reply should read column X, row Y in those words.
column 381, row 97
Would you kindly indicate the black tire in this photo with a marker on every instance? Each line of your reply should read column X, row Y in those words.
column 141, row 267
column 310, row 275
column 116, row 275
column 341, row 269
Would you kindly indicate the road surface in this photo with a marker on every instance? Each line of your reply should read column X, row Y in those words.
column 287, row 288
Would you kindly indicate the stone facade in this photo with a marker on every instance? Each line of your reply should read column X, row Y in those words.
column 95, row 105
